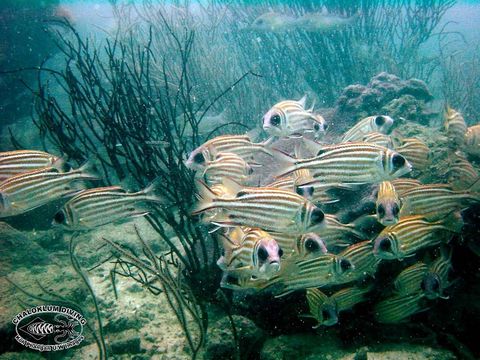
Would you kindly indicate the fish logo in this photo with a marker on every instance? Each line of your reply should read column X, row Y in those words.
column 49, row 328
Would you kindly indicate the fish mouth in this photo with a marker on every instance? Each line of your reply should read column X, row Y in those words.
column 387, row 222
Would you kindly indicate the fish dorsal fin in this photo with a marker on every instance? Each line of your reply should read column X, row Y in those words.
column 303, row 101
column 232, row 186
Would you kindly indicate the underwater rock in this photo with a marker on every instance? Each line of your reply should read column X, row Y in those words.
column 127, row 342
column 220, row 341
column 18, row 250
column 385, row 93
column 24, row 355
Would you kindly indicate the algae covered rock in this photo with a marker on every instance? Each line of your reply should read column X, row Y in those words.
column 221, row 342
column 387, row 94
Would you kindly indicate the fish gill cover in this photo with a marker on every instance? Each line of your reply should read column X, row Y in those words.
column 258, row 169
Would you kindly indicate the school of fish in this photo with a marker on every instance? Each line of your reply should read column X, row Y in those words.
column 270, row 205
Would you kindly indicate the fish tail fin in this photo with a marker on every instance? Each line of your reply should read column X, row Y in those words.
column 152, row 191
column 315, row 299
column 287, row 163
column 205, row 197
column 89, row 171
column 453, row 222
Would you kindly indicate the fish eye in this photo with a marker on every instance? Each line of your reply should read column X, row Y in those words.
column 379, row 120
column 59, row 217
column 345, row 264
column 66, row 167
column 262, row 253
column 325, row 126
column 395, row 210
column 316, row 127
column 385, row 244
column 381, row 210
column 275, row 120
column 199, row 158
column 306, row 191
column 280, row 252
column 398, row 161
column 317, row 216
column 311, row 245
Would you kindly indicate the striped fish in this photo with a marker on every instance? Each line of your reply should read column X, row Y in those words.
column 347, row 298
column 266, row 208
column 397, row 308
column 99, row 206
column 416, row 152
column 388, row 204
column 322, row 308
column 302, row 246
column 435, row 280
column 409, row 281
column 27, row 191
column 461, row 173
column 455, row 127
column 378, row 139
column 323, row 270
column 472, row 140
column 337, row 234
column 413, row 233
column 240, row 145
column 227, row 165
column 402, row 185
column 435, row 201
column 361, row 256
column 378, row 123
column 289, row 118
column 250, row 253
column 20, row 161
column 351, row 163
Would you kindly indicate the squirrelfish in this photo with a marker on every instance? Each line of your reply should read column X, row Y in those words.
column 266, row 208
column 351, row 163
column 237, row 144
column 99, row 206
column 472, row 140
column 252, row 253
column 27, row 191
column 416, row 152
column 435, row 201
column 398, row 307
column 322, row 308
column 379, row 123
column 21, row 161
column 363, row 261
column 413, row 233
column 409, row 280
column 455, row 127
column 227, row 165
column 290, row 118
column 461, row 173
column 388, row 204
column 436, row 280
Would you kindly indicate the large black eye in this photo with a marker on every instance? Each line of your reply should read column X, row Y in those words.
column 395, row 209
column 311, row 245
column 398, row 161
column 345, row 264
column 275, row 120
column 317, row 216
column 385, row 244
column 280, row 252
column 66, row 167
column 262, row 253
column 305, row 191
column 199, row 158
column 59, row 217
column 379, row 121
column 381, row 210
column 316, row 127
